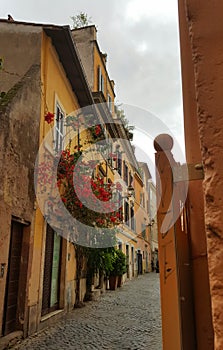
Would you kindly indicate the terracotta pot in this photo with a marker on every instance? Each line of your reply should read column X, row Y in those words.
column 120, row 282
column 113, row 280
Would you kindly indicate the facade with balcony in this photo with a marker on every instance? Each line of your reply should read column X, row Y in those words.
column 45, row 87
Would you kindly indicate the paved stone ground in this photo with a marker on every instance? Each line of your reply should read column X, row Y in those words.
column 128, row 318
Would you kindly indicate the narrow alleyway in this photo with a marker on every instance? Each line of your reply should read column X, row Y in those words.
column 128, row 318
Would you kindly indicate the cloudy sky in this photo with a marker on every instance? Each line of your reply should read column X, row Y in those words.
column 141, row 40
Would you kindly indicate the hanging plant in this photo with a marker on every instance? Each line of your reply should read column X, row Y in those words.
column 97, row 132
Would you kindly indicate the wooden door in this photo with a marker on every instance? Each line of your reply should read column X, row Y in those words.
column 139, row 257
column 10, row 322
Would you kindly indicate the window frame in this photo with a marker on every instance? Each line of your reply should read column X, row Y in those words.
column 101, row 81
column 59, row 127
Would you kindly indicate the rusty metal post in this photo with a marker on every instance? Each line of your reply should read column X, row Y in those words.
column 174, row 254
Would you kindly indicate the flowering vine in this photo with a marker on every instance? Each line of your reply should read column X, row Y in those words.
column 100, row 189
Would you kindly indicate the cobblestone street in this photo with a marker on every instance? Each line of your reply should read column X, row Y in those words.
column 128, row 318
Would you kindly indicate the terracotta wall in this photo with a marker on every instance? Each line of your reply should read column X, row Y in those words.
column 203, row 21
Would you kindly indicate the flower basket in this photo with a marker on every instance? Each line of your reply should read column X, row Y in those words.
column 97, row 132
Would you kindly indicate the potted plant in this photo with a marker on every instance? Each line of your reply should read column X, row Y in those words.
column 118, row 269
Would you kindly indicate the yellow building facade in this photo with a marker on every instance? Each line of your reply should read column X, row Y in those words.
column 142, row 219
column 58, row 81
column 53, row 79
column 123, row 168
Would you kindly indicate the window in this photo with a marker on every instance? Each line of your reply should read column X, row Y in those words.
column 59, row 129
column 100, row 80
column 130, row 179
column 142, row 200
column 119, row 167
column 132, row 218
column 143, row 230
column 126, row 213
column 109, row 153
column 151, row 194
column 126, row 173
column 109, row 103
column 120, row 201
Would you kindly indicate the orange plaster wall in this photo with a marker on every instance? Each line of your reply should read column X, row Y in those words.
column 204, row 21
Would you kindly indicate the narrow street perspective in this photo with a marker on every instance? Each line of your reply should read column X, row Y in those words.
column 127, row 318
column 111, row 177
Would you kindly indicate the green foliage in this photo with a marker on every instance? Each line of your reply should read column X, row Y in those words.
column 81, row 20
column 109, row 261
column 118, row 263
column 100, row 260
column 6, row 98
column 128, row 128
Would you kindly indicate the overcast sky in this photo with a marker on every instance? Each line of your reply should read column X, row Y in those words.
column 141, row 40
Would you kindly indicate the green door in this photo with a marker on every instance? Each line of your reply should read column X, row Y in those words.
column 54, row 296
column 51, row 279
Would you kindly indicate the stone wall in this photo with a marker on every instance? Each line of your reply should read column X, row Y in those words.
column 84, row 41
column 19, row 140
column 20, row 48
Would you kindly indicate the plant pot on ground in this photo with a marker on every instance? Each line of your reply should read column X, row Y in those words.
column 120, row 281
column 113, row 281
column 118, row 269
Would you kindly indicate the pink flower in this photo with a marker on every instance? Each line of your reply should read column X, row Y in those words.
column 118, row 186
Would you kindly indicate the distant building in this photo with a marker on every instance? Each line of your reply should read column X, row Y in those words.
column 153, row 220
column 142, row 209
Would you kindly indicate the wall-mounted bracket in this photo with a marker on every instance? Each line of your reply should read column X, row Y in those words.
column 188, row 172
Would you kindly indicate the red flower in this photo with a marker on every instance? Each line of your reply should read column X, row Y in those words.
column 49, row 117
column 97, row 130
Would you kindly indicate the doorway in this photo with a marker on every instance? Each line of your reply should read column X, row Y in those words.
column 10, row 318
column 52, row 267
column 139, row 258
